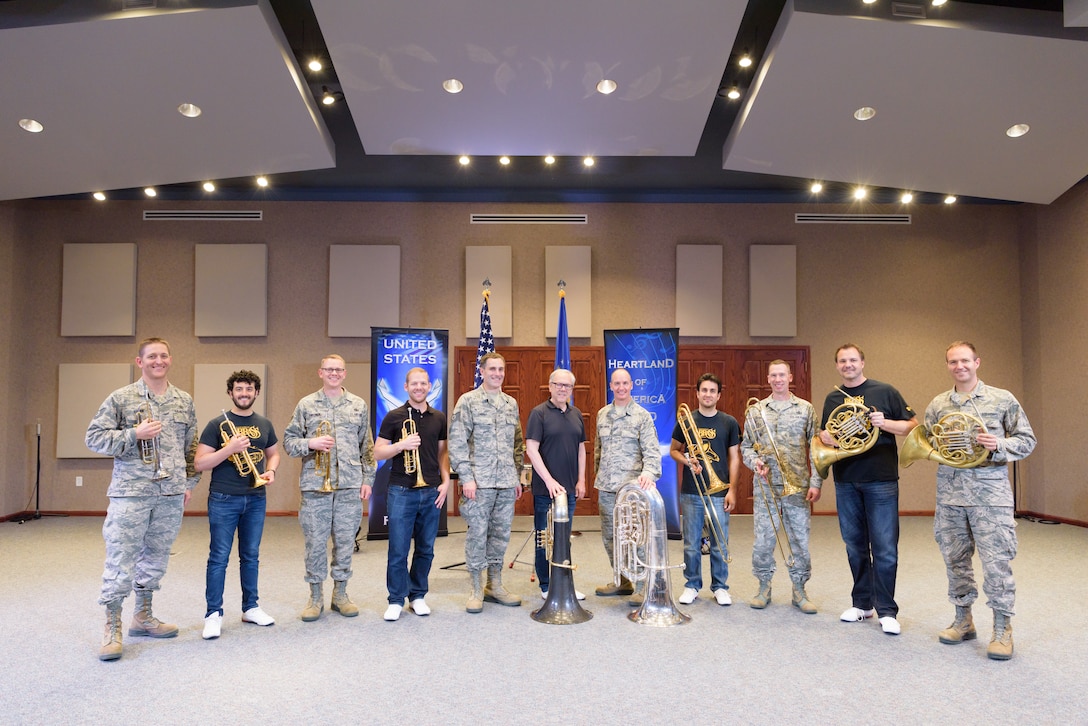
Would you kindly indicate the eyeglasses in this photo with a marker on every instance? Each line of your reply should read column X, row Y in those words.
column 563, row 386
column 333, row 370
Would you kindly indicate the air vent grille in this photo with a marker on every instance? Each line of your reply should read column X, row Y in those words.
column 202, row 215
column 529, row 218
column 816, row 218
column 139, row 4
column 909, row 10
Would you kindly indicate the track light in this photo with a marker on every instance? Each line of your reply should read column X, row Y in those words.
column 330, row 97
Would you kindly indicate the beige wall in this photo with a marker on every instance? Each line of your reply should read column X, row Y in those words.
column 901, row 292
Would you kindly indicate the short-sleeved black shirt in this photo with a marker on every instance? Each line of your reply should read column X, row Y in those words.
column 559, row 433
column 718, row 433
column 225, row 476
column 880, row 463
column 431, row 426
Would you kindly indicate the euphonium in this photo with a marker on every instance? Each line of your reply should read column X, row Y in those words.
column 952, row 441
column 411, row 456
column 243, row 461
column 849, row 425
column 149, row 448
column 562, row 606
column 706, row 481
column 766, row 491
column 323, row 459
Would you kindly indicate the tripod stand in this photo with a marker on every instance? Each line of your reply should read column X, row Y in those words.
column 37, row 490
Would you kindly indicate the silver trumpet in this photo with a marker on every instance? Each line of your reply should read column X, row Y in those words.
column 639, row 523
column 562, row 606
column 149, row 448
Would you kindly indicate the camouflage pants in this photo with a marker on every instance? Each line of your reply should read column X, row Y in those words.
column 795, row 511
column 139, row 532
column 958, row 531
column 606, row 505
column 330, row 514
column 488, row 518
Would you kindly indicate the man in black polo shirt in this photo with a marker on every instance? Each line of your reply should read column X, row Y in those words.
column 414, row 511
column 554, row 442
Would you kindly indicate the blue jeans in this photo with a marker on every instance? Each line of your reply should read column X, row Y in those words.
column 691, row 507
column 228, row 513
column 412, row 516
column 542, row 504
column 869, row 522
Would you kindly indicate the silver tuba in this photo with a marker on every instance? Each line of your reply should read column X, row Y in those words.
column 639, row 525
column 562, row 606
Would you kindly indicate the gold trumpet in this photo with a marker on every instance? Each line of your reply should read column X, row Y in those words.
column 706, row 481
column 412, row 463
column 766, row 491
column 243, row 461
column 952, row 441
column 323, row 459
column 852, row 430
column 149, row 448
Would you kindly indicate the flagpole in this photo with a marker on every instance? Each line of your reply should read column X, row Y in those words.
column 486, row 342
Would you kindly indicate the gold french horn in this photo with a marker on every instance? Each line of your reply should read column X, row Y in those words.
column 952, row 441
column 852, row 430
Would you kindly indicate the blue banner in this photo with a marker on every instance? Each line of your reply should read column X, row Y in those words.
column 650, row 357
column 394, row 352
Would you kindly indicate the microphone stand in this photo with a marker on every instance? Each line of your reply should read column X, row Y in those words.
column 37, row 490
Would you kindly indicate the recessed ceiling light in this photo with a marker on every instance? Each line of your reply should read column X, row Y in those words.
column 939, row 3
column 906, row 198
column 1017, row 130
column 209, row 186
column 452, row 85
column 315, row 65
column 745, row 61
column 734, row 94
column 816, row 187
column 504, row 160
column 588, row 161
column 150, row 191
column 189, row 110
column 262, row 181
column 860, row 193
column 327, row 97
column 606, row 86
column 29, row 124
column 463, row 161
column 100, row 196
column 868, row 2
column 549, row 160
column 865, row 113
column 950, row 199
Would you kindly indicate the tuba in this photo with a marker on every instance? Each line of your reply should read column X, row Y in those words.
column 243, row 461
column 849, row 425
column 706, row 481
column 952, row 441
column 323, row 459
column 411, row 456
column 149, row 448
column 639, row 524
column 767, row 493
column 562, row 606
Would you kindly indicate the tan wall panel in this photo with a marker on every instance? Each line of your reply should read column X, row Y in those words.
column 573, row 265
column 231, row 290
column 772, row 295
column 493, row 264
column 99, row 293
column 364, row 289
column 81, row 389
column 699, row 290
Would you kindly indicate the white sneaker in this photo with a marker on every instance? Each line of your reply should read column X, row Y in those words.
column 419, row 607
column 213, row 624
column 257, row 617
column 543, row 594
column 393, row 612
column 580, row 595
column 856, row 615
column 889, row 625
column 722, row 596
column 687, row 597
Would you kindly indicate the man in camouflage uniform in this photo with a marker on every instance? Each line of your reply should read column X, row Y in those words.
column 486, row 448
column 149, row 428
column 626, row 449
column 975, row 506
column 348, row 470
column 790, row 423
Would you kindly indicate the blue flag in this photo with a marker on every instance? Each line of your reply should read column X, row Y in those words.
column 562, row 341
column 487, row 341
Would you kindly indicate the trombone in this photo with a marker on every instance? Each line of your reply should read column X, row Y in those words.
column 706, row 481
column 323, row 459
column 149, row 448
column 766, row 491
column 411, row 456
column 243, row 461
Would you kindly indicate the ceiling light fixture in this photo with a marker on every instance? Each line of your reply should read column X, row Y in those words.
column 868, row 2
column 606, row 86
column 100, row 196
column 150, row 191
column 950, row 199
column 504, row 160
column 860, row 193
column 745, row 60
column 939, row 3
column 315, row 65
column 209, row 186
column 588, row 161
column 190, row 110
column 906, row 198
column 452, row 85
column 262, row 181
column 734, row 94
column 463, row 161
column 1017, row 130
column 29, row 124
column 816, row 187
column 549, row 160
column 865, row 113
column 329, row 97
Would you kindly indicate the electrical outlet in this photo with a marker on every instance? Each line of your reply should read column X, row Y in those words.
column 79, row 481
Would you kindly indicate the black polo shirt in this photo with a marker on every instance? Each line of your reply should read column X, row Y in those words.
column 559, row 433
column 431, row 426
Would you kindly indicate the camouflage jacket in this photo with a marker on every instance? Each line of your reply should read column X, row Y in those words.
column 626, row 446
column 351, row 461
column 792, row 424
column 112, row 432
column 486, row 444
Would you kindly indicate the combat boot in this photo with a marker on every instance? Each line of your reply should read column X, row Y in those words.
column 111, row 638
column 316, row 606
column 495, row 592
column 961, row 629
column 612, row 590
column 475, row 602
column 1001, row 642
column 763, row 597
column 144, row 623
column 800, row 600
column 341, row 603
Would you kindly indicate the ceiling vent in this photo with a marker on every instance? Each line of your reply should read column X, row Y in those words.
column 201, row 215
column 816, row 218
column 139, row 4
column 909, row 10
column 529, row 218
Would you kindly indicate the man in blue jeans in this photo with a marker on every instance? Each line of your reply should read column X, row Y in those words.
column 867, row 485
column 418, row 483
column 242, row 457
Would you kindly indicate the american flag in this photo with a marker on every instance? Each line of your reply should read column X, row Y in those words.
column 487, row 341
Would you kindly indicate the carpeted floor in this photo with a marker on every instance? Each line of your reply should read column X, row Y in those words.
column 729, row 664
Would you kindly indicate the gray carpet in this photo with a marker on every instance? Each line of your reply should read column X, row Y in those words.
column 730, row 664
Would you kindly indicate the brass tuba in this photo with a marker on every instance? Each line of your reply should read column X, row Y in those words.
column 243, row 461
column 323, row 459
column 849, row 425
column 706, row 481
column 149, row 448
column 639, row 524
column 562, row 606
column 411, row 456
column 952, row 441
column 767, row 493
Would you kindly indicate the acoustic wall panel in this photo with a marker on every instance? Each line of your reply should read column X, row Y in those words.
column 82, row 389
column 231, row 290
column 572, row 264
column 98, row 294
column 364, row 289
column 210, row 389
column 495, row 264
column 772, row 290
column 699, row 290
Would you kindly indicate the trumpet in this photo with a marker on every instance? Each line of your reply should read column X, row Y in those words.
column 323, row 459
column 706, row 481
column 952, row 441
column 243, row 461
column 149, row 448
column 852, row 430
column 766, row 491
column 412, row 464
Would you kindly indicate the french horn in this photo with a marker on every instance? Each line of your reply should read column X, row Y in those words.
column 952, row 441
column 852, row 430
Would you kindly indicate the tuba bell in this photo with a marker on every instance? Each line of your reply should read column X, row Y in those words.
column 639, row 524
column 952, row 441
column 562, row 606
column 849, row 425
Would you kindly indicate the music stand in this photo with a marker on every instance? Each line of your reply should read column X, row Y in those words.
column 37, row 491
